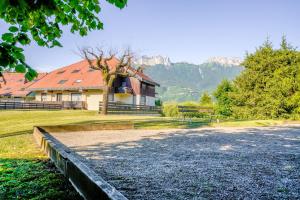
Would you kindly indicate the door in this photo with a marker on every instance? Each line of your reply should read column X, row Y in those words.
column 76, row 97
column 44, row 97
column 59, row 97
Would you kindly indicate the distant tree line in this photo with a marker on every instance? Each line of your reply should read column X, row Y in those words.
column 269, row 87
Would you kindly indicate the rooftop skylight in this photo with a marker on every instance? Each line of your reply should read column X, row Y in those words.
column 62, row 81
column 75, row 71
column 60, row 72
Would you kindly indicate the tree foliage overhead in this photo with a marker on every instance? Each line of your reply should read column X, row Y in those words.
column 269, row 87
column 41, row 21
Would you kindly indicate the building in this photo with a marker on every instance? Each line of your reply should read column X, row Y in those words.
column 79, row 83
column 15, row 87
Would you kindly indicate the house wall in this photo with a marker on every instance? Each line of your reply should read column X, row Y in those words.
column 124, row 98
column 150, row 101
column 93, row 97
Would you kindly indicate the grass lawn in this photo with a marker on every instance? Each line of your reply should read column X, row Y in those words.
column 26, row 173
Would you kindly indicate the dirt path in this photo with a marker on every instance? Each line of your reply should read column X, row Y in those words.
column 251, row 163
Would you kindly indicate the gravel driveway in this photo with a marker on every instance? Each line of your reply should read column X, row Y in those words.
column 249, row 163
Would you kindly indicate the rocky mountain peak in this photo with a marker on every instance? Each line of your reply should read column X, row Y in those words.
column 153, row 60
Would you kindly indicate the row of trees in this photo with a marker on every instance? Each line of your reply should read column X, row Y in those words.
column 269, row 87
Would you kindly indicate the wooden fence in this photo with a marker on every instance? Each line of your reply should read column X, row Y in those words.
column 120, row 108
column 195, row 109
column 29, row 105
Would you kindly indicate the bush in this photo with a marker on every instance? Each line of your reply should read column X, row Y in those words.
column 170, row 110
column 158, row 102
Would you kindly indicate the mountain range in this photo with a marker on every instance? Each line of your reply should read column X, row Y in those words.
column 184, row 81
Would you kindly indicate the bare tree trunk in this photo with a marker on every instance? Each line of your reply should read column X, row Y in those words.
column 106, row 91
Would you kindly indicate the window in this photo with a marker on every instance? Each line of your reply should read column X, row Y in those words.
column 75, row 71
column 59, row 97
column 91, row 70
column 60, row 72
column 143, row 100
column 144, row 87
column 76, row 97
column 77, row 81
column 44, row 97
column 111, row 97
column 124, row 84
column 62, row 81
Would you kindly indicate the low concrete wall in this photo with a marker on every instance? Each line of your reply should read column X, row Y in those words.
column 86, row 181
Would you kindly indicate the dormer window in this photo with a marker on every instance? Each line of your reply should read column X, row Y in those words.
column 78, row 81
column 75, row 71
column 62, row 81
column 61, row 72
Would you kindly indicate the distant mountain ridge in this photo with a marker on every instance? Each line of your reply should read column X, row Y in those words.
column 185, row 81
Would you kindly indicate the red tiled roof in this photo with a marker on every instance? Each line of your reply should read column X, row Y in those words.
column 77, row 76
column 15, row 84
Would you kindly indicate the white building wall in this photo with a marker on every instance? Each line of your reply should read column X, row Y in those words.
column 138, row 99
column 123, row 98
column 150, row 101
column 92, row 99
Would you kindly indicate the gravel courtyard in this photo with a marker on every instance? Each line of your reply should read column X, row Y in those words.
column 207, row 163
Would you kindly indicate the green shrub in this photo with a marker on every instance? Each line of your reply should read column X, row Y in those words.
column 158, row 102
column 170, row 110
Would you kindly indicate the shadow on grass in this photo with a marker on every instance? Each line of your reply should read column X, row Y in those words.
column 33, row 179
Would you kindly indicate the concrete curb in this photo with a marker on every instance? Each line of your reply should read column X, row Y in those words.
column 85, row 181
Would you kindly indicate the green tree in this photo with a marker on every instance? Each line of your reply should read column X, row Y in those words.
column 41, row 21
column 206, row 99
column 224, row 100
column 269, row 85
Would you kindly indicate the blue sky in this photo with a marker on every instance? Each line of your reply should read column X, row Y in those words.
column 184, row 30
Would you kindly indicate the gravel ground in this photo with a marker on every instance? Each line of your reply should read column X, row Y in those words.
column 249, row 163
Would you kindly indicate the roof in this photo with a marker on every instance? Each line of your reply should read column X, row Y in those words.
column 78, row 76
column 15, row 85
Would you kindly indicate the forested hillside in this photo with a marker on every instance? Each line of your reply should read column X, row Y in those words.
column 185, row 81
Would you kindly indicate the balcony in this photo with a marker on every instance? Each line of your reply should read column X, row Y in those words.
column 124, row 90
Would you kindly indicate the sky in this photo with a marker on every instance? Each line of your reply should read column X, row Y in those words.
column 184, row 30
